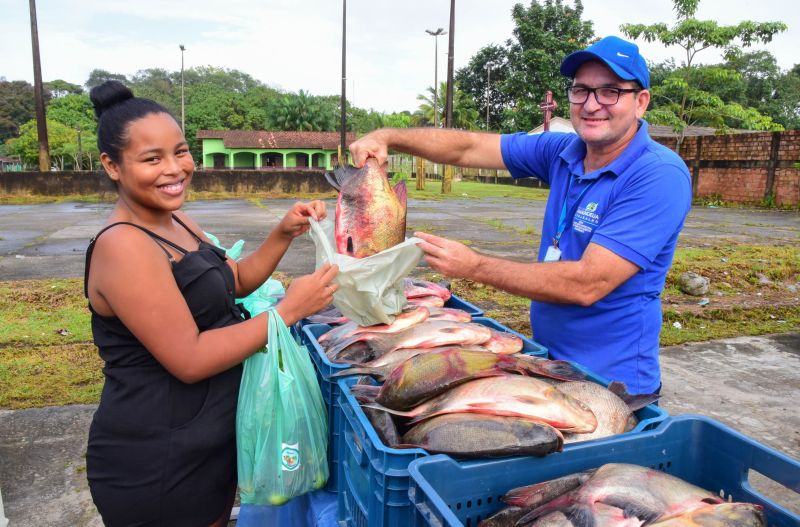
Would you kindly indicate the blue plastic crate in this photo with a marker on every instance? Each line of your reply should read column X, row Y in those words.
column 330, row 390
column 374, row 478
column 697, row 449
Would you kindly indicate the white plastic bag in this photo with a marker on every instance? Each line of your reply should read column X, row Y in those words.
column 370, row 289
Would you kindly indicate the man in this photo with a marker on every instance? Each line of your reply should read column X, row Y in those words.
column 617, row 203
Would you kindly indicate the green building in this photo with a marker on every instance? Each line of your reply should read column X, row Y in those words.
column 264, row 150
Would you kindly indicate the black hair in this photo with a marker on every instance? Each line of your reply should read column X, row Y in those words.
column 116, row 108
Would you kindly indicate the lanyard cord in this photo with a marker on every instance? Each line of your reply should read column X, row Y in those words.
column 562, row 221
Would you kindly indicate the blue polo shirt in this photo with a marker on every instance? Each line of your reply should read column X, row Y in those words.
column 635, row 207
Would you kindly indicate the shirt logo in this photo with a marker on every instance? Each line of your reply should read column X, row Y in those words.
column 591, row 207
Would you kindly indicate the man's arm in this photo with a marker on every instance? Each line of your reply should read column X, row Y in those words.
column 581, row 282
column 451, row 147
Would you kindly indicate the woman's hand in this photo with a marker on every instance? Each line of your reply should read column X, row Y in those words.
column 308, row 294
column 295, row 222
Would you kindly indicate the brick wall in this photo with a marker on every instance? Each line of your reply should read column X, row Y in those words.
column 744, row 168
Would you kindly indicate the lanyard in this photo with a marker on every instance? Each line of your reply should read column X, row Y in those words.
column 562, row 221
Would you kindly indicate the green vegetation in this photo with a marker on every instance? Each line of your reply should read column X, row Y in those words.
column 472, row 190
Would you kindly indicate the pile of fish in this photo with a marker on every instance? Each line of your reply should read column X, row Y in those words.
column 621, row 495
column 469, row 403
column 418, row 293
column 370, row 214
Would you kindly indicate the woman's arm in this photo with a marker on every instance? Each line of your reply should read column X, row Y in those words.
column 135, row 280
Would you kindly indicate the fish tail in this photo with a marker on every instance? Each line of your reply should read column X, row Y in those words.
column 340, row 345
column 555, row 369
column 634, row 402
column 365, row 393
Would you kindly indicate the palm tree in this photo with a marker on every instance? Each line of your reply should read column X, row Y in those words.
column 465, row 112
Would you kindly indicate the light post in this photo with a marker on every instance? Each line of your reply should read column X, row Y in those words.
column 183, row 112
column 435, row 35
column 488, row 67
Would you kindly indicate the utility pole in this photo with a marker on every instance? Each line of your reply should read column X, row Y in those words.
column 447, row 178
column 38, row 93
column 343, row 102
column 183, row 112
column 448, row 120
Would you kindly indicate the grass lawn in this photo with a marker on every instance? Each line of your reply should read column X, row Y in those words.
column 47, row 356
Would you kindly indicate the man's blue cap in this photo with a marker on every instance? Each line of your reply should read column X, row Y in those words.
column 620, row 55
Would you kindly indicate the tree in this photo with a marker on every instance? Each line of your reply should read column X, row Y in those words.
column 545, row 33
column 60, row 88
column 98, row 77
column 484, row 83
column 27, row 144
column 303, row 112
column 687, row 104
column 465, row 113
column 74, row 111
column 16, row 107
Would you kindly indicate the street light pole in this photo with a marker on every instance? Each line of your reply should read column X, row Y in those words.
column 343, row 101
column 488, row 67
column 183, row 112
column 435, row 35
column 80, row 153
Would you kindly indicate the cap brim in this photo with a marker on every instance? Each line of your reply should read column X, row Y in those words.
column 574, row 61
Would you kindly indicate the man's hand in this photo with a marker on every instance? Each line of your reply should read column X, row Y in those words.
column 295, row 222
column 449, row 257
column 373, row 144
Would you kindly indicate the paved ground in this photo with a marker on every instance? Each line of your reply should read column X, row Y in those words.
column 749, row 383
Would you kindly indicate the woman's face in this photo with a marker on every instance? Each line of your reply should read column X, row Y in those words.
column 156, row 167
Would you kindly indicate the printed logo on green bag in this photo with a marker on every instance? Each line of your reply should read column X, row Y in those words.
column 290, row 457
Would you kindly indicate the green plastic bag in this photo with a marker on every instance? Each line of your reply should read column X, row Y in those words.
column 281, row 422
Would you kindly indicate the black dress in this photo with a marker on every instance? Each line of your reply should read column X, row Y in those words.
column 162, row 452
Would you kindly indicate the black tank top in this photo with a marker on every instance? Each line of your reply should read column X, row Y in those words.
column 162, row 452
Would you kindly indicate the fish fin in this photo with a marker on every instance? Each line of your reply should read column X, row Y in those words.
column 405, row 445
column 365, row 393
column 632, row 509
column 580, row 516
column 336, row 347
column 528, row 399
column 634, row 402
column 538, row 494
column 335, row 184
column 564, row 503
column 555, row 369
column 375, row 373
column 377, row 406
column 401, row 192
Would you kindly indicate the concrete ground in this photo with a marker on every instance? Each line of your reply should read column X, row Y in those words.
column 749, row 383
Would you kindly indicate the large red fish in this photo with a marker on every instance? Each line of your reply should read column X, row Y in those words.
column 370, row 214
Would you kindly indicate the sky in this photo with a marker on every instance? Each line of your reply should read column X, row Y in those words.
column 296, row 44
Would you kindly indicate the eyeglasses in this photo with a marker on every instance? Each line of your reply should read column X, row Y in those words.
column 603, row 95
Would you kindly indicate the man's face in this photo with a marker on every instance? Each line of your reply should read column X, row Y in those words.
column 603, row 125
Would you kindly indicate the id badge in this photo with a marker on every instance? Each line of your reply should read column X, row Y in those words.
column 553, row 254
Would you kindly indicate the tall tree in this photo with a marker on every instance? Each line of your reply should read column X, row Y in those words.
column 465, row 113
column 60, row 88
column 688, row 104
column 27, row 144
column 16, row 107
column 74, row 111
column 98, row 77
column 544, row 33
column 303, row 112
column 483, row 78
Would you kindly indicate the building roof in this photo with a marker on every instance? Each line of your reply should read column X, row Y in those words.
column 557, row 124
column 276, row 140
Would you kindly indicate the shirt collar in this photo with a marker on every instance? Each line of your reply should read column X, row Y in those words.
column 575, row 153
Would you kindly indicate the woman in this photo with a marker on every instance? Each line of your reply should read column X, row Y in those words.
column 162, row 445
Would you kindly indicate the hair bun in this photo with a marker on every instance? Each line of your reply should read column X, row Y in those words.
column 108, row 94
